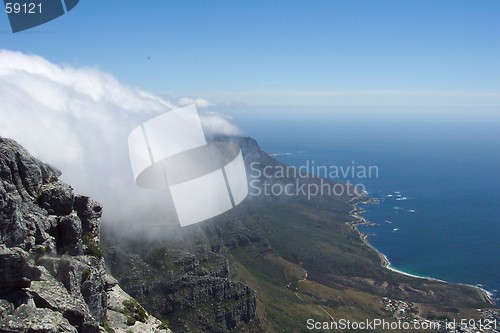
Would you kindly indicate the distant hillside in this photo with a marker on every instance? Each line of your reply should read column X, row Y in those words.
column 296, row 258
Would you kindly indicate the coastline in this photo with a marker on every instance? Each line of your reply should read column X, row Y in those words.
column 360, row 220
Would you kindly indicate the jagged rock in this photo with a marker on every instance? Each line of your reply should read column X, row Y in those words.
column 93, row 289
column 6, row 308
column 87, row 208
column 22, row 175
column 52, row 295
column 109, row 282
column 89, row 212
column 190, row 291
column 52, row 276
column 189, row 286
column 24, row 225
column 11, row 270
column 232, row 302
column 17, row 269
column 57, row 198
column 66, row 269
column 22, row 222
column 82, row 276
column 26, row 319
column 69, row 238
column 118, row 319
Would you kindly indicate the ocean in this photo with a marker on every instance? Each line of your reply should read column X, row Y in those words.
column 437, row 185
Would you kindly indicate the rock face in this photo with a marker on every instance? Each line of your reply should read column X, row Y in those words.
column 187, row 282
column 52, row 276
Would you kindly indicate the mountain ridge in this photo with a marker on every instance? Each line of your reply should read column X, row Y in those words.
column 271, row 264
column 302, row 256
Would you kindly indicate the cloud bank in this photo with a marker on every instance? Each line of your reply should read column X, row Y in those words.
column 199, row 102
column 79, row 119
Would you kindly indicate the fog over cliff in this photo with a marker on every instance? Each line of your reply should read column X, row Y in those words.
column 78, row 120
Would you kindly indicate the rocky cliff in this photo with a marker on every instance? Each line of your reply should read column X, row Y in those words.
column 190, row 286
column 52, row 276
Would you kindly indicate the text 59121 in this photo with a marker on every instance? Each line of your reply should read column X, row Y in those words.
column 23, row 8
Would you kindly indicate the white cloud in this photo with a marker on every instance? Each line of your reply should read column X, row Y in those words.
column 199, row 102
column 215, row 123
column 79, row 119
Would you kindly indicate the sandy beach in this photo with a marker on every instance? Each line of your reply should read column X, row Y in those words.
column 359, row 220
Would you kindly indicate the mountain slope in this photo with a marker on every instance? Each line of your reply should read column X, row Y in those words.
column 302, row 258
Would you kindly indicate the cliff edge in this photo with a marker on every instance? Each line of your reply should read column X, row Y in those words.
column 52, row 276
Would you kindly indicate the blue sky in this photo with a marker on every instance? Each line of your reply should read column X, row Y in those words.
column 381, row 52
